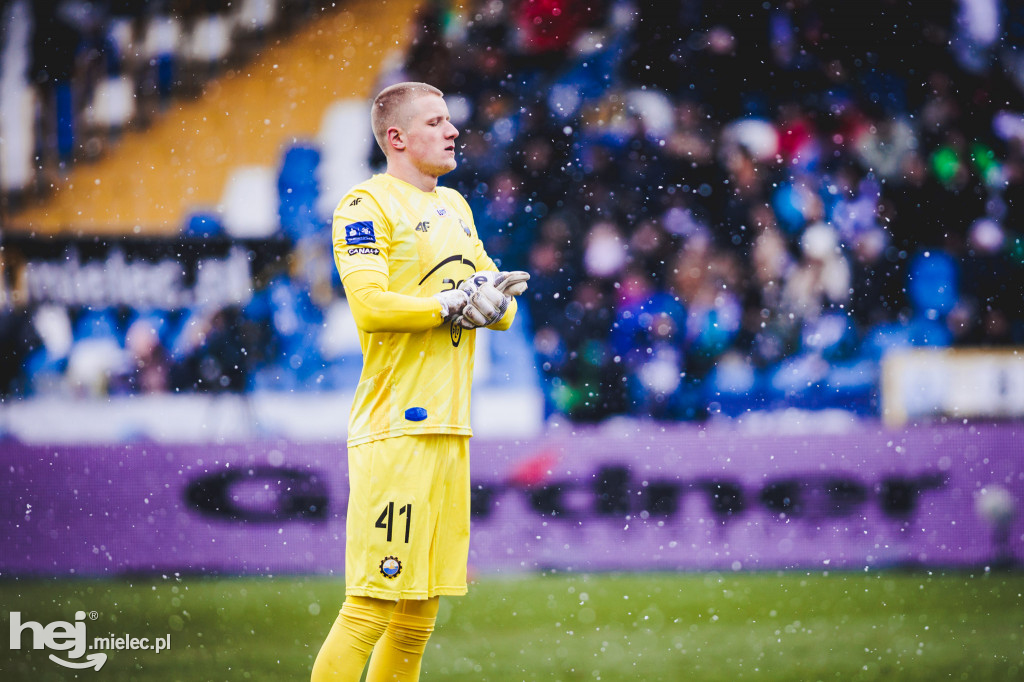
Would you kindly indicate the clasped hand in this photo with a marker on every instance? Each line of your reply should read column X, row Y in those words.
column 484, row 298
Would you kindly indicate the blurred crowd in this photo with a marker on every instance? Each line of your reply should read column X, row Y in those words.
column 73, row 76
column 724, row 207
column 273, row 331
column 730, row 207
column 78, row 73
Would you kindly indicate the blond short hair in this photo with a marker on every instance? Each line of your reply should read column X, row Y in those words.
column 388, row 107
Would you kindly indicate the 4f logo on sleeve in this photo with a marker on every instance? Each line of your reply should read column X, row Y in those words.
column 360, row 233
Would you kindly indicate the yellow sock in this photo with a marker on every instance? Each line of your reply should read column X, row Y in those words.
column 399, row 653
column 358, row 627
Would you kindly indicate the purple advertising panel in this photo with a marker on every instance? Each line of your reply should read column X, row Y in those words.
column 644, row 497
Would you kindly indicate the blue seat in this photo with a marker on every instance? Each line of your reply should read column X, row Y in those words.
column 97, row 323
column 43, row 371
column 66, row 136
column 787, row 203
column 924, row 331
column 852, row 386
column 885, row 337
column 204, row 225
column 298, row 168
column 298, row 191
column 932, row 283
column 735, row 386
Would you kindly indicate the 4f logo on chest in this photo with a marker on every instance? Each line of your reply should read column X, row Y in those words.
column 423, row 226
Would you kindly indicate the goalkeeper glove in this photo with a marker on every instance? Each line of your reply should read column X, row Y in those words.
column 511, row 283
column 452, row 301
column 489, row 296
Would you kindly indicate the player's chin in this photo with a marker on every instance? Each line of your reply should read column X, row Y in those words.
column 447, row 166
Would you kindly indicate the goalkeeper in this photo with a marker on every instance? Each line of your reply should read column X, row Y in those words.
column 419, row 284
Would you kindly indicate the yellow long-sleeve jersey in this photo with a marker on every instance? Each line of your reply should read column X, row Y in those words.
column 396, row 246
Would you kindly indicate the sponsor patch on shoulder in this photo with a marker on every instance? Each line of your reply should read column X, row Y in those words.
column 364, row 251
column 360, row 233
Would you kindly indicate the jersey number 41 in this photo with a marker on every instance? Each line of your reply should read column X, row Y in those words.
column 386, row 520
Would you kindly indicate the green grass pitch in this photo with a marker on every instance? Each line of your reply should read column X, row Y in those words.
column 657, row 626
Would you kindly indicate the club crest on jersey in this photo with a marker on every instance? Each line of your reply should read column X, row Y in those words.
column 456, row 332
column 360, row 233
column 390, row 567
column 465, row 227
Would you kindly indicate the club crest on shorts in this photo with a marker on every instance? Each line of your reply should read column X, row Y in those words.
column 390, row 567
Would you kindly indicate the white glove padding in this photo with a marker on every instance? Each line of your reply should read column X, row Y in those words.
column 507, row 283
column 486, row 306
column 511, row 283
column 453, row 301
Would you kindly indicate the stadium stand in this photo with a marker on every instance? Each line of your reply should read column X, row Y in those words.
column 178, row 158
column 723, row 210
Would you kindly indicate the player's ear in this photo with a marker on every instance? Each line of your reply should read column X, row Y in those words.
column 395, row 138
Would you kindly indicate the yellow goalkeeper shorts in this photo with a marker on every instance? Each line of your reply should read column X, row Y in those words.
column 407, row 529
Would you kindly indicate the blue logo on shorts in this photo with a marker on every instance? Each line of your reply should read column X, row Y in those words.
column 390, row 567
